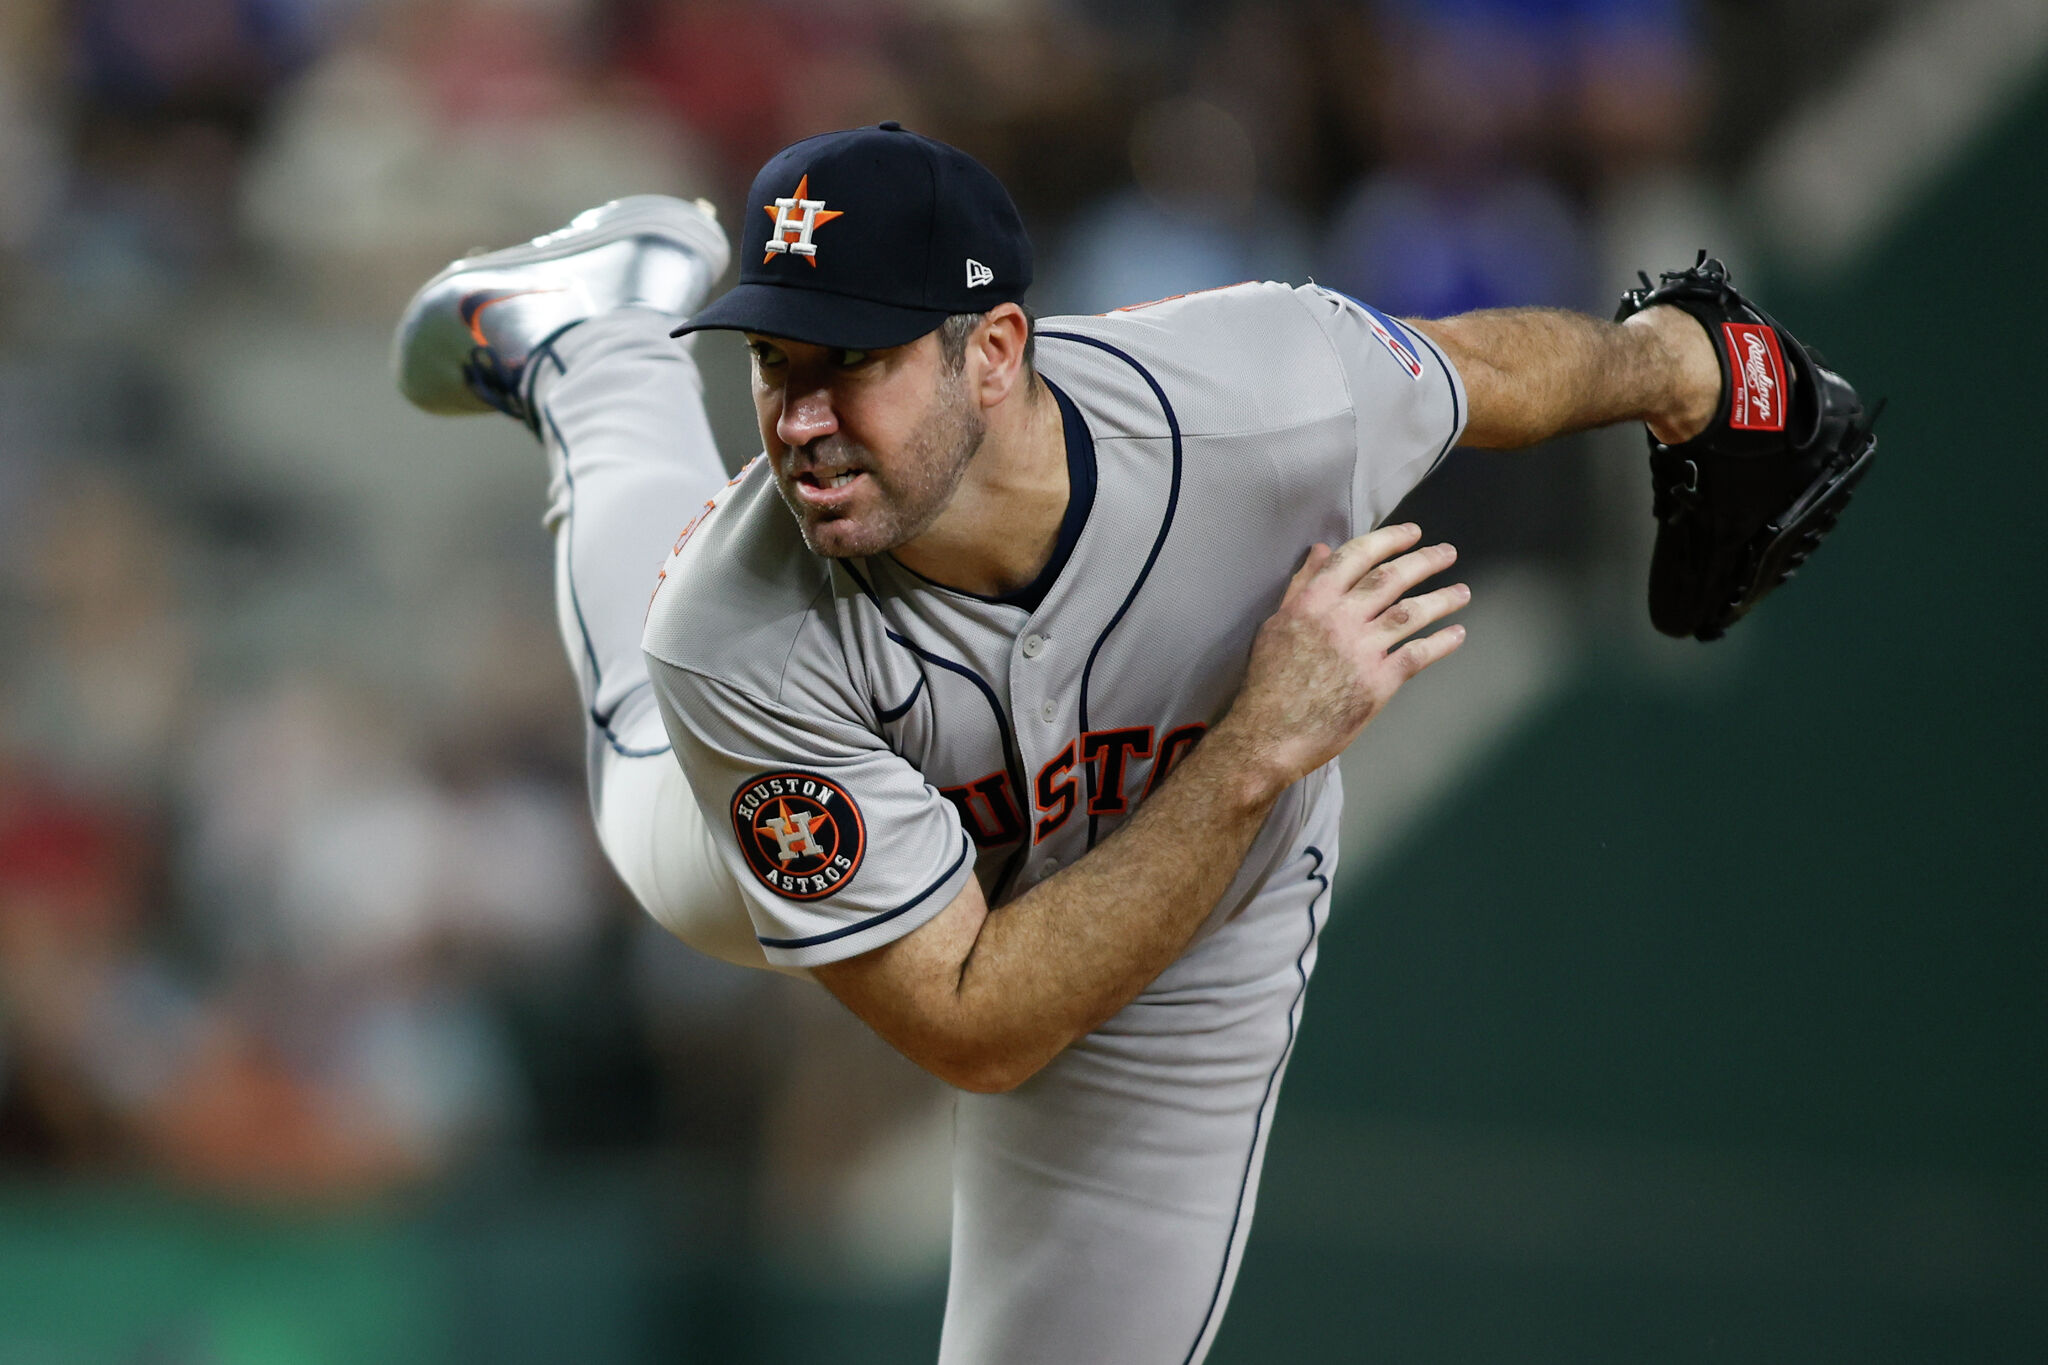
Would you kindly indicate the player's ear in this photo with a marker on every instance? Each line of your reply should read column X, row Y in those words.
column 1001, row 344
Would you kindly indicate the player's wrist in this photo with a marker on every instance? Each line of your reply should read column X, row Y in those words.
column 1685, row 359
column 1246, row 767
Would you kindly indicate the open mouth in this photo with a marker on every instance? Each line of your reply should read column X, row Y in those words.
column 825, row 484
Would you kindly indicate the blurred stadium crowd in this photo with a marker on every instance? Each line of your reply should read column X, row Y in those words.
column 297, row 895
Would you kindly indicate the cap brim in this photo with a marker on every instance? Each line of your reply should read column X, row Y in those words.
column 814, row 316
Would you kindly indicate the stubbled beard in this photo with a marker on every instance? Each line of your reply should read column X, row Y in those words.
column 906, row 498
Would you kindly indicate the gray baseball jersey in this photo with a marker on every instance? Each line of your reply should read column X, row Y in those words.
column 862, row 740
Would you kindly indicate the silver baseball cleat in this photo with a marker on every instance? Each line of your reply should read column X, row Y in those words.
column 463, row 342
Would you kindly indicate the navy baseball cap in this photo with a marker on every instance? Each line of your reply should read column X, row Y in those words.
column 871, row 238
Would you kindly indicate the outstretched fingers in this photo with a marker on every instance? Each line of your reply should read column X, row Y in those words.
column 1361, row 556
column 1389, row 582
column 1339, row 647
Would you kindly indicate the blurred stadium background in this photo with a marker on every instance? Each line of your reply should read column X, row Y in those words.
column 1682, row 1004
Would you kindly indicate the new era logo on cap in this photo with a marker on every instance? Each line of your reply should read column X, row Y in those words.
column 916, row 232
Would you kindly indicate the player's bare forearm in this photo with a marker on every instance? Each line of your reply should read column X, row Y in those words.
column 984, row 998
column 1534, row 373
column 1080, row 946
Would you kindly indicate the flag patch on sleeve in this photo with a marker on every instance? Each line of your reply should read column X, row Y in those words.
column 1395, row 338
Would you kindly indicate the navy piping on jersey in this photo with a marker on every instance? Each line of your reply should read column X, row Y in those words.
column 1080, row 446
column 602, row 720
column 891, row 714
column 1158, row 543
column 1457, row 408
column 1315, row 874
column 966, row 847
column 1011, row 761
column 1080, row 502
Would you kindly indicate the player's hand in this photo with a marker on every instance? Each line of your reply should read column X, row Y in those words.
column 1339, row 648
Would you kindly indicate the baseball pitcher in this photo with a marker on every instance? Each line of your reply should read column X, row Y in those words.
column 1001, row 692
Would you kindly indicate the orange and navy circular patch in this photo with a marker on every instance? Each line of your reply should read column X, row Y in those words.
column 801, row 834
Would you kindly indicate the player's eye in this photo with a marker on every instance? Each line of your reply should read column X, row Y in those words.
column 848, row 360
column 766, row 355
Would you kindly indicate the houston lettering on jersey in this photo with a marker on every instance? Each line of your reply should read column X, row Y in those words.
column 1109, row 752
column 992, row 813
column 988, row 810
column 1054, row 792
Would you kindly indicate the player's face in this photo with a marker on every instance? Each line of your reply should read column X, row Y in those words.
column 868, row 446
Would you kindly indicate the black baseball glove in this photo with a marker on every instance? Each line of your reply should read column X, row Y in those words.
column 1740, row 506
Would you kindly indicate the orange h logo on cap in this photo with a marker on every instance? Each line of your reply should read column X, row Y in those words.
column 795, row 219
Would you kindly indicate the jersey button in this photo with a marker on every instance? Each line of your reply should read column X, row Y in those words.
column 1052, row 865
column 1051, row 712
column 1034, row 645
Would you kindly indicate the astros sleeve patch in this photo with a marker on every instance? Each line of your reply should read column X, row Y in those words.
column 801, row 834
column 837, row 843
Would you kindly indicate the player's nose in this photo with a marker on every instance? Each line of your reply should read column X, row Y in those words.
column 806, row 417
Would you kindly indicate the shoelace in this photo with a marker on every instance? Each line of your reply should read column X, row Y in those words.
column 497, row 383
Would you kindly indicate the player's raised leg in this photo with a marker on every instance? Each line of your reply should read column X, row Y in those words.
column 569, row 335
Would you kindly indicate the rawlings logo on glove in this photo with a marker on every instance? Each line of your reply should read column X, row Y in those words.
column 1758, row 368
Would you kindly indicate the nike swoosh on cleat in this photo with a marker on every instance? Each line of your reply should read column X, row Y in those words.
column 471, row 309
